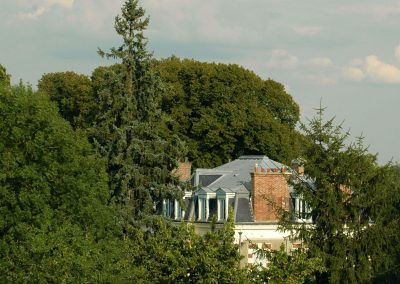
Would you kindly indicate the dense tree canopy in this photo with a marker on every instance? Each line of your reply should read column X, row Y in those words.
column 224, row 111
column 283, row 267
column 56, row 225
column 220, row 111
column 53, row 194
column 74, row 96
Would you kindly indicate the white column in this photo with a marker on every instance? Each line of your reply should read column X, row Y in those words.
column 226, row 207
column 164, row 208
column 218, row 208
column 176, row 209
column 206, row 200
column 199, row 208
column 196, row 178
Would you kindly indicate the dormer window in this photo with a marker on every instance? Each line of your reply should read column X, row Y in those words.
column 168, row 208
column 301, row 209
column 223, row 196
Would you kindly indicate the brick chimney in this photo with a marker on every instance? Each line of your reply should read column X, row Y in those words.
column 184, row 171
column 270, row 191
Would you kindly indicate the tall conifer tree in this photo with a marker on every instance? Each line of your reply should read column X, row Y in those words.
column 344, row 189
column 128, row 129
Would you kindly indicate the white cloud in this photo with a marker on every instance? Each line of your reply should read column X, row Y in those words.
column 397, row 52
column 280, row 58
column 354, row 73
column 321, row 61
column 374, row 69
column 306, row 30
column 45, row 6
column 380, row 71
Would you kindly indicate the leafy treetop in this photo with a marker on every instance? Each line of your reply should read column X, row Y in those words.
column 4, row 77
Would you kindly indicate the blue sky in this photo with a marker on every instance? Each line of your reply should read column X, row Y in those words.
column 345, row 52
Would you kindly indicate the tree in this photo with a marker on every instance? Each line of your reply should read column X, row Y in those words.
column 204, row 104
column 295, row 267
column 344, row 189
column 127, row 130
column 223, row 111
column 74, row 96
column 179, row 255
column 4, row 77
column 384, row 209
column 55, row 225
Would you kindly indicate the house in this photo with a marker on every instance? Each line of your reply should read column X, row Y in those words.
column 253, row 187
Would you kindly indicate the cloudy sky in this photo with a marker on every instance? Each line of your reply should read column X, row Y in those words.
column 345, row 52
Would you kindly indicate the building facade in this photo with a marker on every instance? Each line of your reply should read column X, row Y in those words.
column 254, row 188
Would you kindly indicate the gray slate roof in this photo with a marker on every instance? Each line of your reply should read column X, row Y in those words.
column 235, row 175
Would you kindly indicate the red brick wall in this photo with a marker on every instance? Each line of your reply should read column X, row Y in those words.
column 269, row 191
column 184, row 171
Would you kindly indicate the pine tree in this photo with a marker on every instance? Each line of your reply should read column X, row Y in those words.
column 344, row 193
column 128, row 130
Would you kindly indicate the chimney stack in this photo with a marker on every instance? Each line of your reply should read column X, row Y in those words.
column 184, row 171
column 270, row 191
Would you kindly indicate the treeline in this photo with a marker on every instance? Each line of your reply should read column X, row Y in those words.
column 219, row 111
column 86, row 161
column 81, row 179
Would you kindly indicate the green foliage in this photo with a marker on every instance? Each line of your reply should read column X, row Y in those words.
column 296, row 267
column 224, row 111
column 219, row 259
column 206, row 105
column 351, row 201
column 4, row 77
column 74, row 96
column 128, row 129
column 384, row 209
column 173, row 254
column 55, row 225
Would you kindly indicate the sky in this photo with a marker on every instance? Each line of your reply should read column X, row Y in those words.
column 343, row 52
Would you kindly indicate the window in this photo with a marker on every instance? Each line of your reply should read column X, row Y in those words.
column 302, row 209
column 202, row 209
column 221, row 209
column 168, row 208
column 178, row 210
